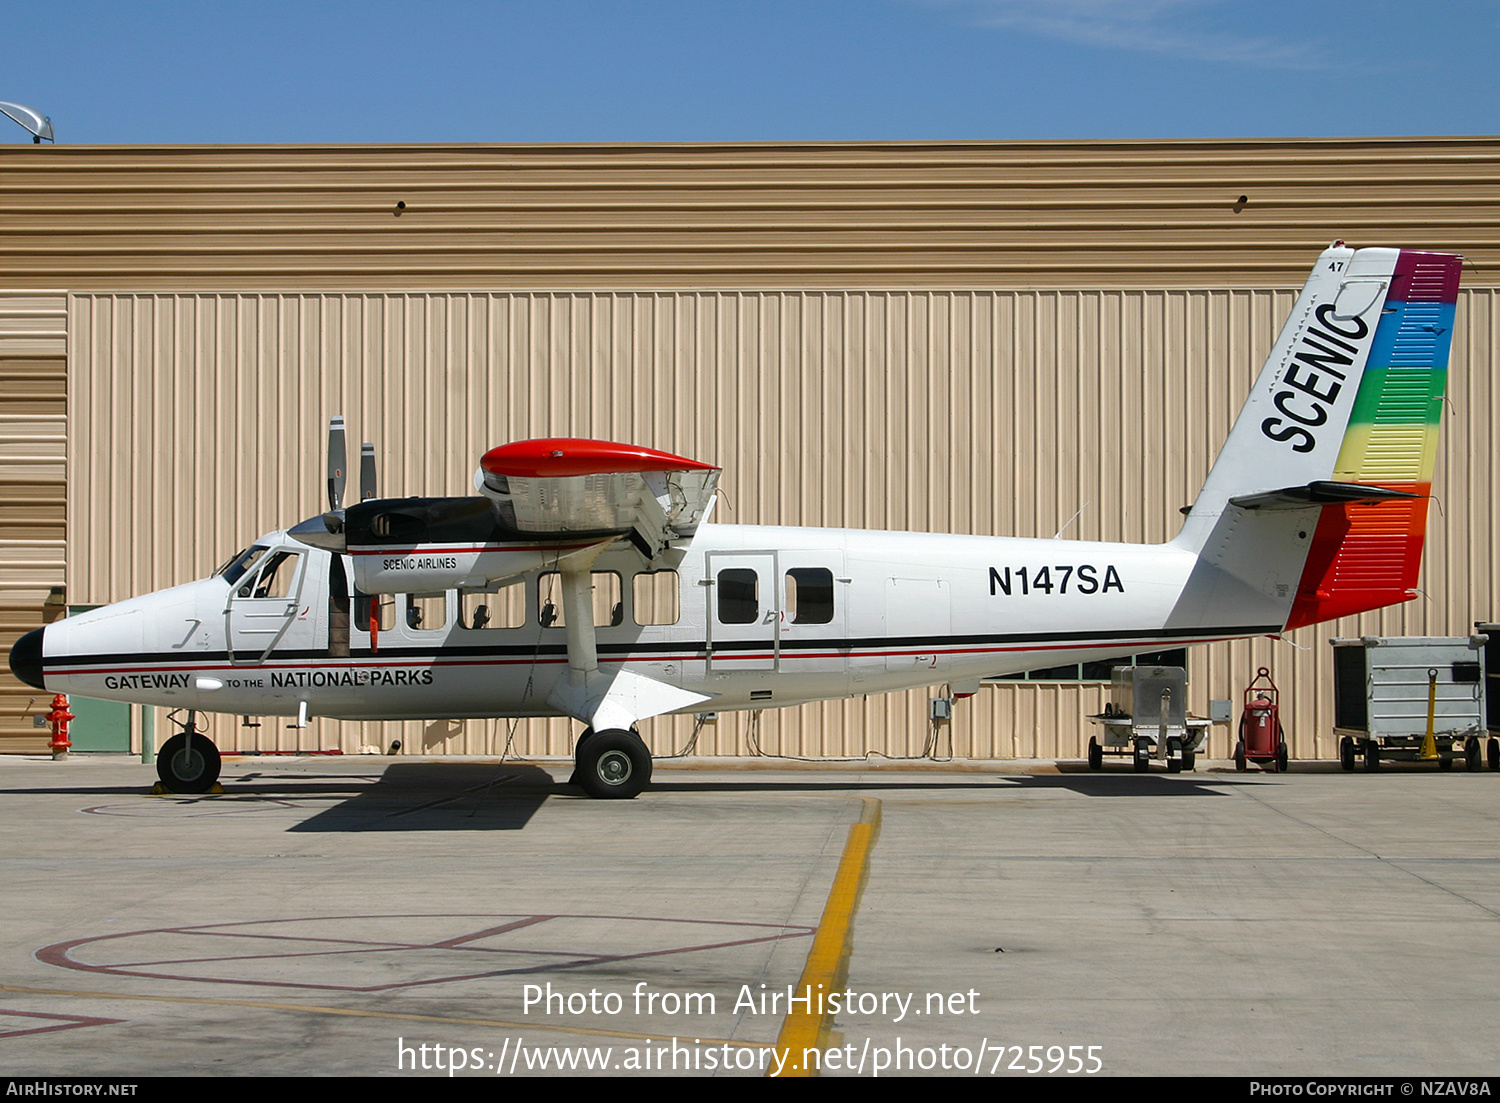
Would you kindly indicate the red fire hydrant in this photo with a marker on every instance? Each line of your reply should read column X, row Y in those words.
column 59, row 718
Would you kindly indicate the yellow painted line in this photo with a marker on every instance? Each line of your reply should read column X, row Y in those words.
column 354, row 1012
column 828, row 960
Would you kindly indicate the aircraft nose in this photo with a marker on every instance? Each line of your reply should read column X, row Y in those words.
column 26, row 658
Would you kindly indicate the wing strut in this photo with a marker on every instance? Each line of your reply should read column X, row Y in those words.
column 603, row 698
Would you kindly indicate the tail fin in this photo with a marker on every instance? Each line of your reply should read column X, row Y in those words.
column 1341, row 426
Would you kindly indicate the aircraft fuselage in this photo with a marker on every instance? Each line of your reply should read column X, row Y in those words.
column 747, row 616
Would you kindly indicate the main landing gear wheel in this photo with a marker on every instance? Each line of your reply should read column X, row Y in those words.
column 188, row 767
column 583, row 737
column 613, row 765
column 1096, row 754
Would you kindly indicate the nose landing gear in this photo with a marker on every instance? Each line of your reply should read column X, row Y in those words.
column 188, row 762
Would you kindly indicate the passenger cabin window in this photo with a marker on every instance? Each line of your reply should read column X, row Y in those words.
column 609, row 609
column 654, row 598
column 504, row 607
column 809, row 595
column 426, row 612
column 739, row 596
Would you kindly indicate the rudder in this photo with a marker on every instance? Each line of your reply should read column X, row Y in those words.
column 1368, row 555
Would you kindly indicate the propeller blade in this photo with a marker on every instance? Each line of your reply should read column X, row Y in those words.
column 337, row 461
column 366, row 471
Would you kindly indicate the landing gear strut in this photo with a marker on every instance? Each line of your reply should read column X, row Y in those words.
column 188, row 762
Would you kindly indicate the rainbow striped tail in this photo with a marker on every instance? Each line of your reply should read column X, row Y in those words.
column 1317, row 505
column 1368, row 555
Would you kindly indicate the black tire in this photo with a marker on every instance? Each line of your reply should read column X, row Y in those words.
column 188, row 767
column 1142, row 756
column 583, row 737
column 1096, row 754
column 1492, row 754
column 1372, row 755
column 613, row 765
column 1282, row 758
column 1472, row 758
column 1174, row 756
column 1445, row 762
column 1346, row 753
column 1239, row 757
column 1189, row 760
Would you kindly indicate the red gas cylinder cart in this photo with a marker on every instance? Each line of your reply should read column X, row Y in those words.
column 1261, row 736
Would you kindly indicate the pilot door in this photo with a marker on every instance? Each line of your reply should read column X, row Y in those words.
column 263, row 612
column 744, row 623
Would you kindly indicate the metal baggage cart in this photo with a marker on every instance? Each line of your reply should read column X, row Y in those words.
column 1385, row 689
column 1147, row 718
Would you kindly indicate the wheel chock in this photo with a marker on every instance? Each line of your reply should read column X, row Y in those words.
column 160, row 790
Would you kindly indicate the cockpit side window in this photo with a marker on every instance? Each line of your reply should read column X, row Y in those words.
column 276, row 577
column 235, row 569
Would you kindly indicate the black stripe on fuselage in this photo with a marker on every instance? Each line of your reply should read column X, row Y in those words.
column 364, row 656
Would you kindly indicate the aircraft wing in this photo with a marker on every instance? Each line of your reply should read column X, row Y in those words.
column 543, row 502
column 564, row 486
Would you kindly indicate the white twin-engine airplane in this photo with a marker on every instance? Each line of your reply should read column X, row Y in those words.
column 585, row 580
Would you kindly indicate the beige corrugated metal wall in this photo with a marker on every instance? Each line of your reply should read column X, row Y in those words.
column 755, row 304
column 1239, row 213
column 197, row 422
column 33, row 476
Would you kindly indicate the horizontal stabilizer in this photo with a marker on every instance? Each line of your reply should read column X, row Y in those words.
column 1321, row 492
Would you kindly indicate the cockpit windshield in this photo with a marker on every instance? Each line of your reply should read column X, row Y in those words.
column 235, row 569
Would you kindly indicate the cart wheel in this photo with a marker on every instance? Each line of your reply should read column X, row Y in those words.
column 1189, row 760
column 1281, row 758
column 1372, row 755
column 1096, row 754
column 1174, row 756
column 1346, row 753
column 1239, row 757
column 1472, row 758
column 1142, row 756
column 1445, row 763
column 1492, row 754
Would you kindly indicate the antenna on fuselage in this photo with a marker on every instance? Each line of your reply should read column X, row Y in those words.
column 1058, row 534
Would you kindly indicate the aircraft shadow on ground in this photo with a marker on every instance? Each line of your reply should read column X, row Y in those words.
column 1095, row 785
column 459, row 796
column 504, row 796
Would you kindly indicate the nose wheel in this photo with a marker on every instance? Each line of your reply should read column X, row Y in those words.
column 612, row 764
column 188, row 763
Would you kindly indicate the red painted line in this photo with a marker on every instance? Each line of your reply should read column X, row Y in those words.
column 526, row 660
column 58, row 1022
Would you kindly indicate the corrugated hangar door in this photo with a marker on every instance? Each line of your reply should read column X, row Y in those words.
column 33, row 491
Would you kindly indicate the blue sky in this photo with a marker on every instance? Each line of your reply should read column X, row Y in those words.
column 152, row 71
